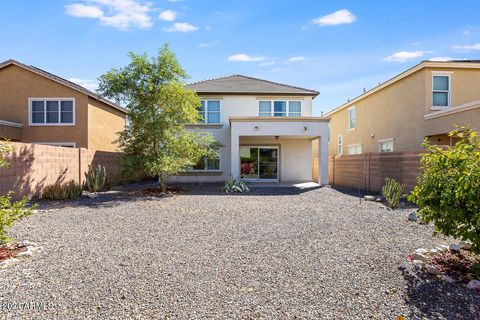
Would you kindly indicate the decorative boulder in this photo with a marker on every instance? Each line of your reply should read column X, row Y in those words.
column 454, row 247
column 433, row 270
column 412, row 216
column 465, row 245
column 421, row 251
column 419, row 256
column 369, row 198
column 447, row 279
column 474, row 284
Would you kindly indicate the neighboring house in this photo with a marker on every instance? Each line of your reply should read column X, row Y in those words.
column 266, row 130
column 39, row 107
column 424, row 101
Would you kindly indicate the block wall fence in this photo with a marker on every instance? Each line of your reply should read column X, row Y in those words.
column 368, row 171
column 33, row 167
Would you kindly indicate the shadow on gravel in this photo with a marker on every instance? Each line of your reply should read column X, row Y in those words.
column 216, row 189
column 433, row 299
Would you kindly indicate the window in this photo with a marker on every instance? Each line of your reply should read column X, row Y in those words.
column 340, row 144
column 210, row 111
column 59, row 144
column 441, row 91
column 385, row 145
column 46, row 112
column 280, row 108
column 210, row 162
column 354, row 149
column 352, row 118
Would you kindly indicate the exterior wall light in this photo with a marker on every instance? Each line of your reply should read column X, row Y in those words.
column 255, row 128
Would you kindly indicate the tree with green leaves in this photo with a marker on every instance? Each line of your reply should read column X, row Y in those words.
column 155, row 140
column 10, row 211
column 448, row 189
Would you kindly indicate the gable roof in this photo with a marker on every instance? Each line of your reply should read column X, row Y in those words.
column 62, row 81
column 239, row 84
column 463, row 64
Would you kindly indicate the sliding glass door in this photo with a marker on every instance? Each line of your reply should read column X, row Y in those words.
column 259, row 163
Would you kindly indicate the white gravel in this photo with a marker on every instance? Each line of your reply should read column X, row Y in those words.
column 274, row 253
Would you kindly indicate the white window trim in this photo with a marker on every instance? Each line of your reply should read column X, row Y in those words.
column 386, row 140
column 216, row 170
column 444, row 74
column 355, row 145
column 58, row 144
column 30, row 123
column 287, row 102
column 339, row 150
column 348, row 116
column 205, row 118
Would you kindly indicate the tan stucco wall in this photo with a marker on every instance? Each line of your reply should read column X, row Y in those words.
column 17, row 85
column 104, row 123
column 10, row 133
column 397, row 111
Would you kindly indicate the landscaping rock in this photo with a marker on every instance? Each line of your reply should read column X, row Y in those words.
column 419, row 264
column 447, row 279
column 433, row 270
column 23, row 254
column 419, row 256
column 412, row 216
column 433, row 252
column 465, row 245
column 6, row 263
column 421, row 251
column 454, row 247
column 474, row 284
column 92, row 195
column 369, row 198
column 444, row 247
column 25, row 243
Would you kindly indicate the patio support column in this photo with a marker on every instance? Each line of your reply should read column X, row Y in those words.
column 323, row 160
column 235, row 156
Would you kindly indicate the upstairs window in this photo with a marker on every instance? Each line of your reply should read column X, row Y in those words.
column 51, row 111
column 352, row 118
column 209, row 111
column 354, row 149
column 340, row 144
column 281, row 108
column 441, row 91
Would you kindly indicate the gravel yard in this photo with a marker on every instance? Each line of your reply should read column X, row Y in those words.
column 273, row 253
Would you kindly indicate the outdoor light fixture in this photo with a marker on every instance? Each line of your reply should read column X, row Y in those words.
column 255, row 128
column 277, row 137
column 305, row 128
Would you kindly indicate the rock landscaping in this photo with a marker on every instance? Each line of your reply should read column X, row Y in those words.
column 272, row 253
column 11, row 253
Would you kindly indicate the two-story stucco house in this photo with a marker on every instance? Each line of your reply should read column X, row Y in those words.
column 39, row 107
column 424, row 101
column 266, row 130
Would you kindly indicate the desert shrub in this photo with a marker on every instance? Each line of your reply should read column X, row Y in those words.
column 232, row 185
column 61, row 191
column 96, row 179
column 448, row 189
column 393, row 191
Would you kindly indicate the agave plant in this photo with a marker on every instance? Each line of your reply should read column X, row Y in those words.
column 96, row 179
column 393, row 191
column 232, row 185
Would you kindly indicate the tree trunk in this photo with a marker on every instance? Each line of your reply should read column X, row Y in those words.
column 163, row 183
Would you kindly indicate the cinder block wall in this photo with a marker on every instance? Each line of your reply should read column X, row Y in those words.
column 33, row 166
column 368, row 171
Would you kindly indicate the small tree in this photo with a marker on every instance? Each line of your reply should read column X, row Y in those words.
column 10, row 211
column 448, row 189
column 155, row 140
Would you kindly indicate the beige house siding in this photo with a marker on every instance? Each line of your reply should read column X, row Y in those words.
column 17, row 85
column 397, row 111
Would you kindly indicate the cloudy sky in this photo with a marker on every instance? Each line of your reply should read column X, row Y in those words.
column 336, row 47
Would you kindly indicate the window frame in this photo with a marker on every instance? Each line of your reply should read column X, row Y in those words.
column 205, row 118
column 354, row 146
column 287, row 107
column 58, row 144
column 205, row 159
column 45, row 123
column 380, row 142
column 350, row 119
column 340, row 144
column 447, row 74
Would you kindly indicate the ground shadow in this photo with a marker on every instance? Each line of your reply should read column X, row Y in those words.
column 431, row 298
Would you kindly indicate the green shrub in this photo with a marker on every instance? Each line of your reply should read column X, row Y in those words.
column 61, row 191
column 11, row 212
column 393, row 191
column 232, row 185
column 96, row 179
column 448, row 189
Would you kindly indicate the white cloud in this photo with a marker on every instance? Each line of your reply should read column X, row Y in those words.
column 91, row 85
column 296, row 59
column 468, row 47
column 208, row 44
column 466, row 32
column 403, row 56
column 245, row 58
column 120, row 14
column 181, row 27
column 175, row 0
column 268, row 63
column 168, row 15
column 338, row 17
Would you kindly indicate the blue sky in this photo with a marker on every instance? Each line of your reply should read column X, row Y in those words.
column 335, row 47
